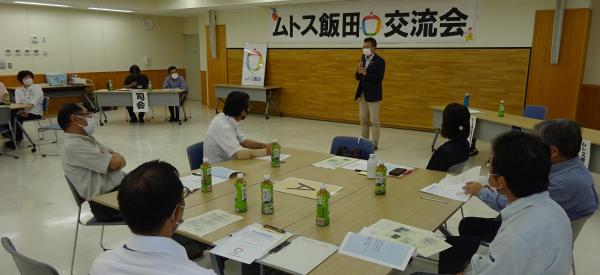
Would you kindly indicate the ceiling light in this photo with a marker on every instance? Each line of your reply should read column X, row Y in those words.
column 41, row 4
column 103, row 9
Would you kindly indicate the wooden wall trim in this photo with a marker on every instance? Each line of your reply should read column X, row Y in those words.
column 320, row 84
column 587, row 109
column 203, row 87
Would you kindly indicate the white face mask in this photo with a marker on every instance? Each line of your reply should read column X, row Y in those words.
column 178, row 222
column 367, row 51
column 91, row 125
column 174, row 75
column 27, row 81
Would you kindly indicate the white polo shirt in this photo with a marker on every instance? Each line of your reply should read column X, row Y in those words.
column 223, row 139
column 535, row 238
column 31, row 95
column 147, row 255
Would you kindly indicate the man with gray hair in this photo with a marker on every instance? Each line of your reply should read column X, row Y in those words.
column 571, row 184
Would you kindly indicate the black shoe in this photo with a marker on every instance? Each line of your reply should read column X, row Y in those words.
column 10, row 144
column 142, row 120
column 172, row 119
column 474, row 152
column 133, row 121
column 376, row 147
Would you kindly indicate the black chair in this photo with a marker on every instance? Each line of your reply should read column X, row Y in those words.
column 92, row 222
column 195, row 153
column 26, row 265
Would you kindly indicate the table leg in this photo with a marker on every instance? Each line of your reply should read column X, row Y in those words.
column 179, row 107
column 89, row 101
column 33, row 150
column 218, row 263
column 268, row 103
column 102, row 114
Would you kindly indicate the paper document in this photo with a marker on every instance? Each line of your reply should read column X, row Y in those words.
column 426, row 242
column 208, row 222
column 223, row 172
column 301, row 256
column 391, row 254
column 473, row 111
column 282, row 157
column 361, row 165
column 194, row 182
column 302, row 187
column 451, row 187
column 249, row 244
column 334, row 162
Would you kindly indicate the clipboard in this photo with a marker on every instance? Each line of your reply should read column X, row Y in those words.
column 300, row 256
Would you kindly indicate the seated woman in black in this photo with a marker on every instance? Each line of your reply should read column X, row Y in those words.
column 455, row 127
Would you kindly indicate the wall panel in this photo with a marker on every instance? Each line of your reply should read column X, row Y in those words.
column 587, row 110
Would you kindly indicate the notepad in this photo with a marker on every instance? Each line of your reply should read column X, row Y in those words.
column 451, row 187
column 301, row 256
column 390, row 254
column 218, row 175
column 208, row 222
column 282, row 157
column 334, row 162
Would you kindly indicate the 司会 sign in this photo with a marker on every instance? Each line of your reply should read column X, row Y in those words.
column 386, row 21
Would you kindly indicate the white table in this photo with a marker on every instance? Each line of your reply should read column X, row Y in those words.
column 122, row 98
column 256, row 93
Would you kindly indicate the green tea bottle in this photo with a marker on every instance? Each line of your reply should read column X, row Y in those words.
column 323, row 206
column 266, row 189
column 501, row 109
column 380, row 174
column 205, row 171
column 149, row 86
column 275, row 154
column 241, row 204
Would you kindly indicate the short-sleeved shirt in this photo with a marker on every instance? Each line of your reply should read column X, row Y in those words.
column 141, row 79
column 223, row 139
column 147, row 255
column 178, row 83
column 85, row 162
column 31, row 95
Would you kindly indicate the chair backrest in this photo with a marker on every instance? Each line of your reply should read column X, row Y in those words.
column 46, row 104
column 4, row 115
column 366, row 146
column 74, row 192
column 535, row 111
column 457, row 168
column 26, row 265
column 195, row 153
column 577, row 225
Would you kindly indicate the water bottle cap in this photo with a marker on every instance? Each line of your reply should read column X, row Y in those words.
column 501, row 101
column 467, row 94
column 371, row 156
column 240, row 175
column 204, row 159
column 323, row 186
column 267, row 177
column 380, row 162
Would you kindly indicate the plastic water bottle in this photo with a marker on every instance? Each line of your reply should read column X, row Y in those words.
column 109, row 85
column 205, row 171
column 380, row 182
column 241, row 204
column 149, row 86
column 501, row 109
column 371, row 166
column 466, row 100
column 275, row 154
column 323, row 206
column 266, row 188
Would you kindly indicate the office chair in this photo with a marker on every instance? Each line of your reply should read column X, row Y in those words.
column 535, row 111
column 6, row 126
column 195, row 153
column 365, row 146
column 26, row 265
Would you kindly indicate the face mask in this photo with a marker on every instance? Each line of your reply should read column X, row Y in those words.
column 91, row 125
column 367, row 51
column 27, row 81
column 179, row 222
column 174, row 75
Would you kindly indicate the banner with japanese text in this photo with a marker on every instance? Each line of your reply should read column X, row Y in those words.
column 140, row 101
column 386, row 21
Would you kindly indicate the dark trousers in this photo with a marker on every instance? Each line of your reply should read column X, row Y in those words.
column 20, row 119
column 132, row 114
column 174, row 110
column 482, row 228
column 455, row 259
column 104, row 213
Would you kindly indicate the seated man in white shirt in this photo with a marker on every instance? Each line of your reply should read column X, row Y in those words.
column 31, row 94
column 224, row 141
column 92, row 168
column 535, row 235
column 151, row 199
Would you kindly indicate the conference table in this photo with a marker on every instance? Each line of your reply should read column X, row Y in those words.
column 353, row 207
column 256, row 93
column 62, row 91
column 123, row 98
column 490, row 125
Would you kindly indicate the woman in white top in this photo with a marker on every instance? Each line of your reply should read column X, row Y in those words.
column 31, row 94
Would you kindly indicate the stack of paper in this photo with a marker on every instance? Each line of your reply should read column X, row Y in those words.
column 218, row 175
column 282, row 157
column 249, row 244
column 301, row 256
column 391, row 254
column 426, row 242
column 451, row 187
column 361, row 165
column 335, row 162
column 208, row 222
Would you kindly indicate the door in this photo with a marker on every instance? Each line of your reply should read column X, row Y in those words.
column 192, row 65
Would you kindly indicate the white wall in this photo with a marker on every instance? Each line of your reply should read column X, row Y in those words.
column 592, row 67
column 502, row 23
column 88, row 41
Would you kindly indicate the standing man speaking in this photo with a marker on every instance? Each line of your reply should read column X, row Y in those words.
column 369, row 73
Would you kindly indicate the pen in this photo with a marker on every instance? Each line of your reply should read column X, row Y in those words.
column 278, row 230
column 279, row 247
column 196, row 174
column 432, row 199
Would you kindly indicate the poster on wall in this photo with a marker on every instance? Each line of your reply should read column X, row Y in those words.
column 386, row 21
column 255, row 62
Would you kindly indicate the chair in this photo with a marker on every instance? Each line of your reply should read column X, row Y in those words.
column 535, row 111
column 26, row 265
column 576, row 227
column 92, row 222
column 6, row 126
column 54, row 127
column 195, row 153
column 366, row 146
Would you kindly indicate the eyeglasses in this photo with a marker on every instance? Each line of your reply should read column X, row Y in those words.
column 84, row 115
column 488, row 164
column 186, row 192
